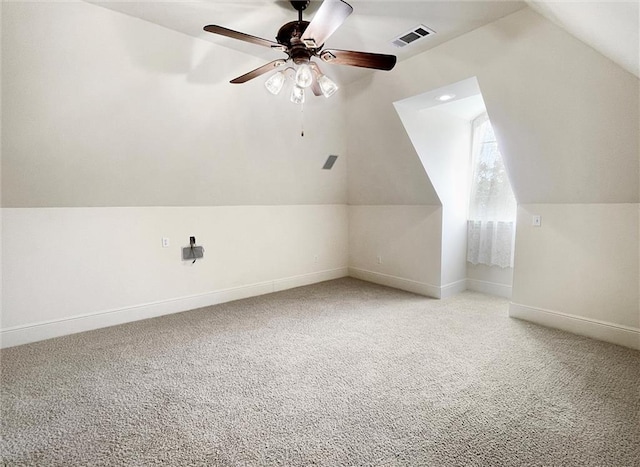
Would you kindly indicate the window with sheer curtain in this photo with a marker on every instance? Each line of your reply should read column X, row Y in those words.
column 492, row 207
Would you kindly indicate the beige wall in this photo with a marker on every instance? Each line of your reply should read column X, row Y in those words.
column 73, row 269
column 101, row 109
column 397, row 245
column 1, row 217
column 567, row 123
column 581, row 261
column 116, row 133
column 106, row 125
column 443, row 142
column 493, row 280
column 579, row 270
column 566, row 117
column 441, row 136
column 384, row 167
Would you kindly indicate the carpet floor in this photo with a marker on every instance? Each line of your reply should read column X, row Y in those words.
column 338, row 373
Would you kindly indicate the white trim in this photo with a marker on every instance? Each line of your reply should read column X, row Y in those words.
column 489, row 288
column 602, row 330
column 308, row 279
column 401, row 283
column 454, row 288
column 48, row 329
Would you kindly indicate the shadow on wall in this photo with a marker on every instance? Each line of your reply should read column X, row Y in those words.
column 155, row 50
column 158, row 50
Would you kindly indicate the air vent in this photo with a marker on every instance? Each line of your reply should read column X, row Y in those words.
column 413, row 35
column 330, row 161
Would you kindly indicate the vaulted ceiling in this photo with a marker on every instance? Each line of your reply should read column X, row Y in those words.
column 371, row 28
column 611, row 27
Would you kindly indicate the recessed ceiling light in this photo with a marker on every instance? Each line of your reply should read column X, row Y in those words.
column 445, row 97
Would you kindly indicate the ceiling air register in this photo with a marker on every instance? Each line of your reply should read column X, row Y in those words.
column 419, row 32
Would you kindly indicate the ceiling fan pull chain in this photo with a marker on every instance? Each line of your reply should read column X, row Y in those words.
column 302, row 120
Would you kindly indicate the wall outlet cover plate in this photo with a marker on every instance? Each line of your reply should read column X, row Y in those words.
column 189, row 253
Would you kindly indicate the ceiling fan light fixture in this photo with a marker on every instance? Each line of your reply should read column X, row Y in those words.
column 297, row 95
column 275, row 83
column 303, row 40
column 304, row 76
column 327, row 85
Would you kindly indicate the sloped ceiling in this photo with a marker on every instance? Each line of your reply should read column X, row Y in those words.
column 371, row 28
column 566, row 116
column 611, row 27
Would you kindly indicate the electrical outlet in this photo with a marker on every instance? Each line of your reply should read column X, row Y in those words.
column 537, row 221
column 165, row 242
column 315, row 258
column 379, row 259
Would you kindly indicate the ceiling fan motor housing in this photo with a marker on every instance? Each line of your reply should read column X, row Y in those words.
column 301, row 5
column 290, row 35
column 302, row 40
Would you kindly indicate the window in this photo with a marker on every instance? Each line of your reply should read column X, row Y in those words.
column 492, row 206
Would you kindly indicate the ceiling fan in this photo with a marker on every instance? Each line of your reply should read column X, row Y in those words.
column 302, row 40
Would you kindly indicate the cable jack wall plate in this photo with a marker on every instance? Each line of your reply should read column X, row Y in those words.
column 191, row 253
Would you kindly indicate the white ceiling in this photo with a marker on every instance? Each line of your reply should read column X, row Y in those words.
column 466, row 103
column 370, row 28
column 460, row 91
column 609, row 26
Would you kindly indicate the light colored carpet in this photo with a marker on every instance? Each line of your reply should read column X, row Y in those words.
column 338, row 373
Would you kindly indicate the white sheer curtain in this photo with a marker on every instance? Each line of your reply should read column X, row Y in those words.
column 492, row 207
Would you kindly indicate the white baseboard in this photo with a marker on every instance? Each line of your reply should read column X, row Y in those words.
column 25, row 334
column 308, row 279
column 609, row 332
column 449, row 290
column 489, row 288
column 401, row 283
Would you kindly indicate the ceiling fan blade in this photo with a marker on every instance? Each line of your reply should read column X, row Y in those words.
column 329, row 17
column 258, row 71
column 212, row 28
column 361, row 59
column 315, row 85
column 315, row 88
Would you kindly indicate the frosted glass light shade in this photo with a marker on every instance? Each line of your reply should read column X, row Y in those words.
column 327, row 86
column 275, row 83
column 297, row 95
column 304, row 76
